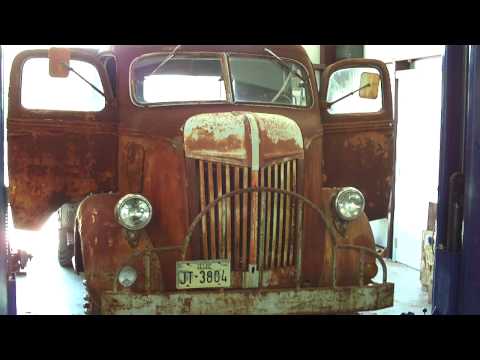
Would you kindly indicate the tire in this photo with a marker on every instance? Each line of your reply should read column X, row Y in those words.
column 77, row 252
column 65, row 252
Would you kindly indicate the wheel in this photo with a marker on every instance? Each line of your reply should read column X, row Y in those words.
column 65, row 251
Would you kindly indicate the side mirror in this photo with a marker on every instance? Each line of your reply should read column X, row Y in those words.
column 369, row 85
column 59, row 62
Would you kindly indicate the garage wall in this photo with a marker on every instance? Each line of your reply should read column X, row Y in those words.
column 418, row 147
column 389, row 53
column 419, row 115
column 313, row 52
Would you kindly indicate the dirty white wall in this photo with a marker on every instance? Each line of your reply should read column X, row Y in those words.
column 313, row 52
column 389, row 53
column 419, row 115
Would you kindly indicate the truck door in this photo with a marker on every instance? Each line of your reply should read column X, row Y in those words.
column 358, row 130
column 62, row 137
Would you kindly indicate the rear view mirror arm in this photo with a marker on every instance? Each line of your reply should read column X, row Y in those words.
column 88, row 82
column 329, row 104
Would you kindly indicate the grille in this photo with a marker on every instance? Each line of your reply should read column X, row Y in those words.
column 228, row 229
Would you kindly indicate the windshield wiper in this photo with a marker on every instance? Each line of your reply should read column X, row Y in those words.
column 167, row 59
column 284, row 64
column 88, row 82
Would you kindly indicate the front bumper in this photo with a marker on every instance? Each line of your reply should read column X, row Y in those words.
column 339, row 300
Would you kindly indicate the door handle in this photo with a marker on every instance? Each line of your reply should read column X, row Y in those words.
column 455, row 212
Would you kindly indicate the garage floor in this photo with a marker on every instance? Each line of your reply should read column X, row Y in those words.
column 49, row 289
column 409, row 295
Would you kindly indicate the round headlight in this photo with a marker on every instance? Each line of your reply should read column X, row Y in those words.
column 127, row 276
column 349, row 203
column 133, row 212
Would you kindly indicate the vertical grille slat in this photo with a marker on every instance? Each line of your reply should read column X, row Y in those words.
column 294, row 212
column 287, row 218
column 245, row 212
column 254, row 220
column 268, row 264
column 229, row 213
column 275, row 213
column 253, row 228
column 221, row 220
column 211, row 198
column 203, row 204
column 262, row 213
column 237, row 219
column 281, row 212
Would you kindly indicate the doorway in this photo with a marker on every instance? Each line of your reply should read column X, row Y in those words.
column 418, row 144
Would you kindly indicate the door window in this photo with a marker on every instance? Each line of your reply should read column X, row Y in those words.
column 40, row 91
column 347, row 81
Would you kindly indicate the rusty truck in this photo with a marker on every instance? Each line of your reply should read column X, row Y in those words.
column 209, row 179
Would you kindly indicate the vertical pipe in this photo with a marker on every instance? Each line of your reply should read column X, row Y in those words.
column 454, row 96
column 469, row 300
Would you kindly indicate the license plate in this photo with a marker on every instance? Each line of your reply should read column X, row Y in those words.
column 202, row 274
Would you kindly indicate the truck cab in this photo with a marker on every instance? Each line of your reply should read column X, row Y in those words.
column 218, row 179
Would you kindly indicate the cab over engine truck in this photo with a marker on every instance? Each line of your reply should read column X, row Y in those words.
column 210, row 179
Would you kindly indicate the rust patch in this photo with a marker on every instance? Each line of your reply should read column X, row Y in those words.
column 229, row 138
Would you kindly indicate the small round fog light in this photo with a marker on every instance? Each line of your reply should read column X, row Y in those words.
column 127, row 276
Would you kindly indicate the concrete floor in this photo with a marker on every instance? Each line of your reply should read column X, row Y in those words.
column 409, row 295
column 49, row 289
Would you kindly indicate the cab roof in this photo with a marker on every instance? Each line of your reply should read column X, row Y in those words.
column 296, row 52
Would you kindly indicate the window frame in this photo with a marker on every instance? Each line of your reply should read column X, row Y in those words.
column 386, row 109
column 225, row 61
column 189, row 54
column 313, row 94
column 77, row 56
column 380, row 73
column 104, row 57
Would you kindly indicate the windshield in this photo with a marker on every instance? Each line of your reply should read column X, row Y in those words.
column 190, row 78
column 263, row 80
column 181, row 79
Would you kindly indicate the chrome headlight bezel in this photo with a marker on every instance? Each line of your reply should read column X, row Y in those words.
column 123, row 201
column 340, row 197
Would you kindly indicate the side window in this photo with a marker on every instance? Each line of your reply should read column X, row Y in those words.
column 40, row 91
column 345, row 81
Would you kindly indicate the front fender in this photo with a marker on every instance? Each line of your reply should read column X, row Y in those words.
column 104, row 244
column 357, row 232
